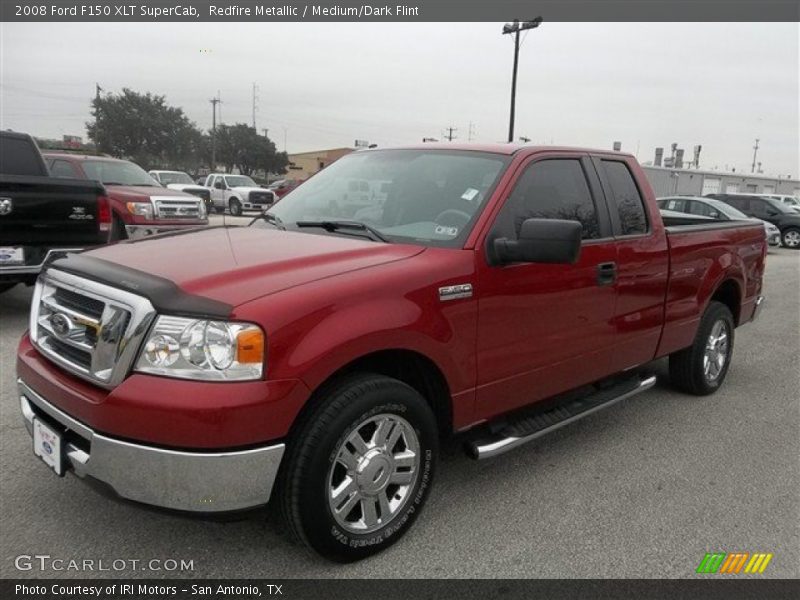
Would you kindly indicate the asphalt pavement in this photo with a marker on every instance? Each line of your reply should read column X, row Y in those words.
column 643, row 489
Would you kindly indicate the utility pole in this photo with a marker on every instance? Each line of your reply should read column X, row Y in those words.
column 450, row 135
column 255, row 104
column 515, row 28
column 214, row 102
column 755, row 153
column 471, row 133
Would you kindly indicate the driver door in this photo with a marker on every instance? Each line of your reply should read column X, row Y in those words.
column 547, row 328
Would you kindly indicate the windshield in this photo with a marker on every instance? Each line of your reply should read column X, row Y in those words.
column 239, row 181
column 168, row 177
column 430, row 197
column 779, row 206
column 117, row 172
column 726, row 209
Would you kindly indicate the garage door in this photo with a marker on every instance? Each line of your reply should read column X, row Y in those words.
column 711, row 185
column 769, row 189
column 732, row 188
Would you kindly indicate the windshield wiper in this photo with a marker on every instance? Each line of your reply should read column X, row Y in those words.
column 274, row 220
column 342, row 226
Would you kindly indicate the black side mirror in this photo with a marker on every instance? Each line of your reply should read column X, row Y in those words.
column 552, row 241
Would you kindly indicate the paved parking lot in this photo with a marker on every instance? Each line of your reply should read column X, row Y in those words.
column 643, row 489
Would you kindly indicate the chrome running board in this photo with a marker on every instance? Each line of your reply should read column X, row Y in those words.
column 531, row 427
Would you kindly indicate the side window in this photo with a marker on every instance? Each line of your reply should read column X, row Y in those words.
column 632, row 215
column 676, row 205
column 741, row 203
column 699, row 208
column 61, row 168
column 760, row 208
column 550, row 189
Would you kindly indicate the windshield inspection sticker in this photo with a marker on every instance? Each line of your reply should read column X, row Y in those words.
column 470, row 194
column 444, row 230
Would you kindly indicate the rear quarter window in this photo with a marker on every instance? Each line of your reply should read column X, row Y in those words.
column 626, row 196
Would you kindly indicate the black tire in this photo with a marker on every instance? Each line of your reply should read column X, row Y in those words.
column 311, row 466
column 235, row 207
column 7, row 285
column 118, row 231
column 687, row 367
column 790, row 238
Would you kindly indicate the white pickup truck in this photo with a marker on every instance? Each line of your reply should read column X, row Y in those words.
column 178, row 180
column 237, row 193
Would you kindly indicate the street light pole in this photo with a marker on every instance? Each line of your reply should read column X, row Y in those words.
column 515, row 28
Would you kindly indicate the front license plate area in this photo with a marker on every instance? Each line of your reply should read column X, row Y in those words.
column 48, row 445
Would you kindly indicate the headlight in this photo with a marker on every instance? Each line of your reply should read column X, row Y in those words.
column 141, row 209
column 200, row 349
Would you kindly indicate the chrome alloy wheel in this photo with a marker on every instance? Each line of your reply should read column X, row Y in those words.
column 792, row 239
column 716, row 352
column 373, row 474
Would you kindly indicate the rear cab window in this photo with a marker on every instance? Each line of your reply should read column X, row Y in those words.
column 20, row 156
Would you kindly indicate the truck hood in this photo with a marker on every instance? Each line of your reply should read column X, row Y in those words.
column 247, row 189
column 186, row 187
column 133, row 193
column 237, row 264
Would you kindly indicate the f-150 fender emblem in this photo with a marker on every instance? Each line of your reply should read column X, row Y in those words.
column 6, row 206
column 454, row 292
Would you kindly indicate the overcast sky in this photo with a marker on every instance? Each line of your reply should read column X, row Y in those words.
column 323, row 85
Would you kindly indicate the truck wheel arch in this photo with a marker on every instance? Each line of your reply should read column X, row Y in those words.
column 729, row 293
column 409, row 366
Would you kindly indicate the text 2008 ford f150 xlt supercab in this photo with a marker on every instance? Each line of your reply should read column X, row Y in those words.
column 318, row 355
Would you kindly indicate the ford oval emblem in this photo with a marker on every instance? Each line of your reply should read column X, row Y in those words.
column 47, row 447
column 61, row 324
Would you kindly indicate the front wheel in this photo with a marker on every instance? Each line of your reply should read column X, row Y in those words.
column 791, row 238
column 701, row 368
column 358, row 472
column 235, row 207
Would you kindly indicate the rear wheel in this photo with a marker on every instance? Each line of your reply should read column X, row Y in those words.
column 701, row 368
column 359, row 470
column 235, row 207
column 791, row 238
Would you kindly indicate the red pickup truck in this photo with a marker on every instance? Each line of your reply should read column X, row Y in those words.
column 317, row 357
column 139, row 205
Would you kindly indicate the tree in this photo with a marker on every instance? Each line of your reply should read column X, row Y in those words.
column 240, row 146
column 145, row 129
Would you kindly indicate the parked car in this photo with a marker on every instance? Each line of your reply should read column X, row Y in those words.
column 178, row 180
column 768, row 209
column 716, row 209
column 283, row 186
column 501, row 292
column 139, row 205
column 42, row 217
column 238, row 193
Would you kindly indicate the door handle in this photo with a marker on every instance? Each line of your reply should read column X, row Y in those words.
column 606, row 273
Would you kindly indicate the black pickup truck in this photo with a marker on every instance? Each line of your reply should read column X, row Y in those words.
column 42, row 217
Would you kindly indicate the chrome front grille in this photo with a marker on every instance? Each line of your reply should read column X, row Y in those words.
column 90, row 329
column 177, row 208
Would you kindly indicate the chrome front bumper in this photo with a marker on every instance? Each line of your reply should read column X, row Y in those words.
column 190, row 481
column 137, row 232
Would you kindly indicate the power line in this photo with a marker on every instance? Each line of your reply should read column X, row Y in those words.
column 450, row 135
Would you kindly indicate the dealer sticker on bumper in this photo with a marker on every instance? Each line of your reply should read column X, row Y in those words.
column 47, row 445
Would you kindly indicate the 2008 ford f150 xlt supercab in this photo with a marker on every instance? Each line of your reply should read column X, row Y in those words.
column 318, row 355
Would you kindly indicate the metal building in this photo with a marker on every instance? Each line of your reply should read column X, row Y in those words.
column 696, row 182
